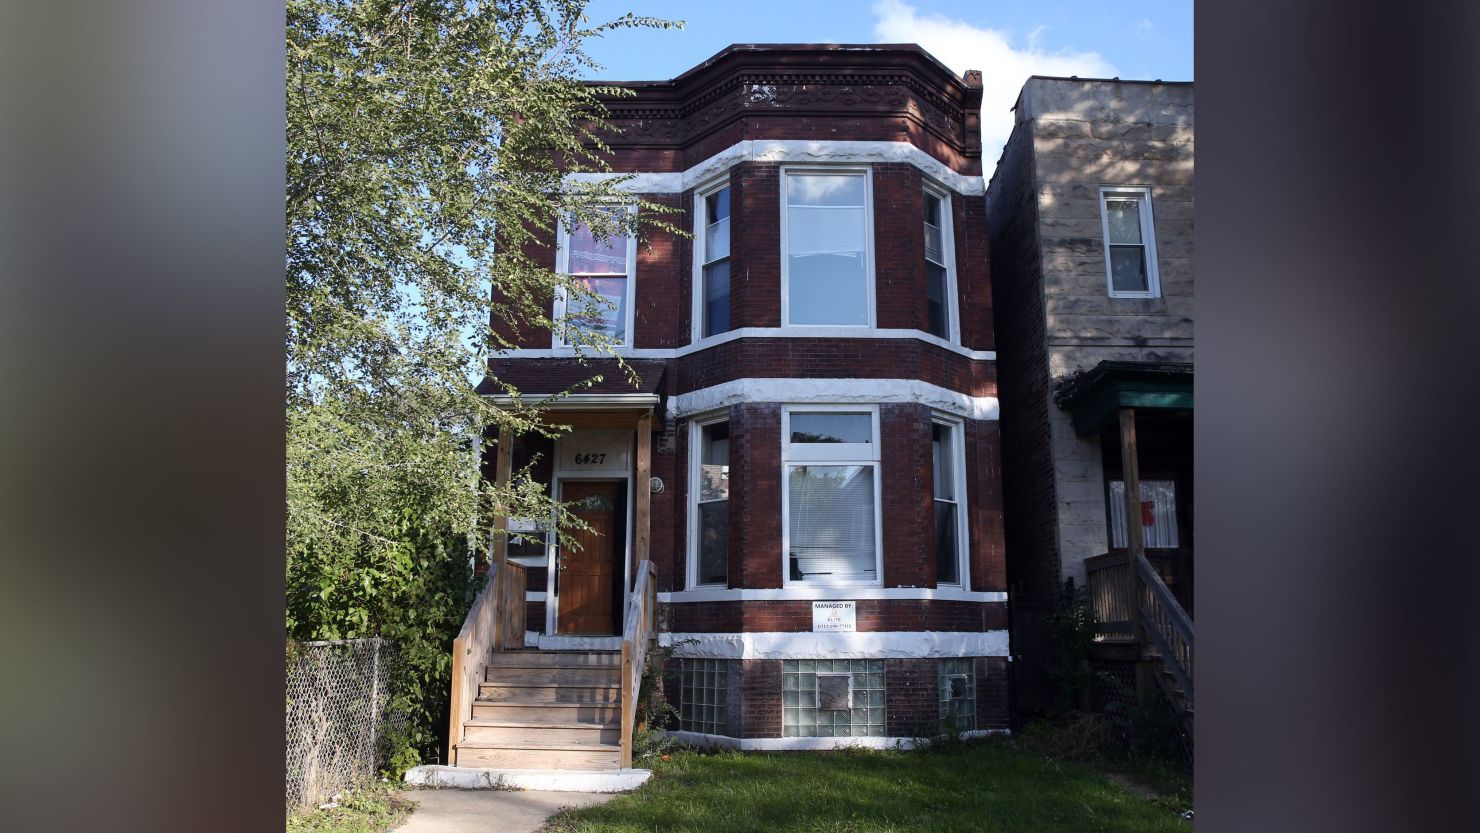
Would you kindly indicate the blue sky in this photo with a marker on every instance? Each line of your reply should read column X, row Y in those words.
column 1007, row 41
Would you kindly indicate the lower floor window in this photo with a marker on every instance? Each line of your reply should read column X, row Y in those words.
column 703, row 706
column 957, row 695
column 832, row 698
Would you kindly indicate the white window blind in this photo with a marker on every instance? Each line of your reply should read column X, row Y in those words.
column 1158, row 504
column 832, row 507
column 827, row 248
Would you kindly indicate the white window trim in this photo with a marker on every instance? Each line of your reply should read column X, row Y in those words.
column 868, row 247
column 1142, row 195
column 701, row 228
column 948, row 252
column 562, row 266
column 963, row 540
column 696, row 440
column 788, row 460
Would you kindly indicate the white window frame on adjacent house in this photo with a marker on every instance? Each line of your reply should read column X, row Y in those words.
column 1142, row 195
column 958, row 470
column 562, row 265
column 696, row 455
column 864, row 171
column 948, row 253
column 836, row 454
column 701, row 240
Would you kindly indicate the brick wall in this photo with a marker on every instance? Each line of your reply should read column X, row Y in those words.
column 795, row 616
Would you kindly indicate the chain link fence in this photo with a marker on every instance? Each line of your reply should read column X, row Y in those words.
column 338, row 697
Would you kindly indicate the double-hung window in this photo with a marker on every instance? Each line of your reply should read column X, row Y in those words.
column 949, row 487
column 830, row 494
column 1130, row 244
column 827, row 272
column 709, row 524
column 605, row 268
column 712, row 261
column 940, row 293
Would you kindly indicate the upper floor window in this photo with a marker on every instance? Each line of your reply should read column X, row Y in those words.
column 830, row 521
column 709, row 487
column 827, row 274
column 712, row 260
column 605, row 267
column 940, row 286
column 1130, row 244
column 948, row 457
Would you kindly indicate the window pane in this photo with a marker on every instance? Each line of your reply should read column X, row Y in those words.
column 824, row 189
column 934, row 248
column 832, row 428
column 828, row 289
column 932, row 210
column 1158, row 513
column 935, row 299
column 609, row 318
column 825, row 230
column 1124, row 220
column 1128, row 268
column 943, row 458
column 714, row 462
column 717, row 205
column 831, row 522
column 717, row 241
column 947, row 560
column 714, row 542
column 591, row 257
column 833, row 692
column 717, row 298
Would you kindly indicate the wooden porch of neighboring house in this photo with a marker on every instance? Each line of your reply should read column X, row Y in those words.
column 1141, row 589
column 569, row 701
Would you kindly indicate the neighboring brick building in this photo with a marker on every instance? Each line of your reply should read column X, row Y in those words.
column 816, row 404
column 1090, row 211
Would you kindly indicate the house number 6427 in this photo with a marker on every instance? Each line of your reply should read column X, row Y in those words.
column 592, row 459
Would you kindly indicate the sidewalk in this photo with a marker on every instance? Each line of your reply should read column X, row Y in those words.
column 489, row 811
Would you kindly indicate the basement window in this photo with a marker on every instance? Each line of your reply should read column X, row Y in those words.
column 702, row 705
column 957, row 695
column 832, row 698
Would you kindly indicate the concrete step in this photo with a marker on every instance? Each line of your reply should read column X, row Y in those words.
column 521, row 731
column 540, row 712
column 539, row 755
column 556, row 659
column 549, row 693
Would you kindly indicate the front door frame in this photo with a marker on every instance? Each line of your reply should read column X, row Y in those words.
column 552, row 608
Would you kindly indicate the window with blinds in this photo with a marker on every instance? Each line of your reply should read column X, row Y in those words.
column 1158, row 513
column 830, row 489
column 827, row 275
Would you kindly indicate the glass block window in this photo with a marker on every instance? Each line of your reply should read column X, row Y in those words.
column 802, row 698
column 957, row 694
column 702, row 704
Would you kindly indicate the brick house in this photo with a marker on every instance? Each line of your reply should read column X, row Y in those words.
column 810, row 457
column 1090, row 218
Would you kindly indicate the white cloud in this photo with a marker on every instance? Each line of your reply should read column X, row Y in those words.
column 1005, row 67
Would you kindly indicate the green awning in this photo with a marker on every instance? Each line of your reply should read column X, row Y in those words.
column 1093, row 398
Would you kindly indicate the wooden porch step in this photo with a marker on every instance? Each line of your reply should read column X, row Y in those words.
column 556, row 659
column 540, row 693
column 554, row 675
column 522, row 731
column 545, row 712
column 539, row 755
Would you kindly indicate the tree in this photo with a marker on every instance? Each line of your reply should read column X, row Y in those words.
column 427, row 142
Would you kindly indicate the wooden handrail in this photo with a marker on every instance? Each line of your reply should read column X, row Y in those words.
column 1166, row 624
column 494, row 622
column 638, row 632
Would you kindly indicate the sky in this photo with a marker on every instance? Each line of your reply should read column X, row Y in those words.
column 1006, row 41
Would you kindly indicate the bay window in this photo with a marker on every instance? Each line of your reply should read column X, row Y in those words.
column 709, row 486
column 712, row 261
column 830, row 494
column 827, row 273
column 603, row 267
column 949, row 487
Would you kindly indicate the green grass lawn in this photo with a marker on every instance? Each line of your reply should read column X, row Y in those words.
column 988, row 785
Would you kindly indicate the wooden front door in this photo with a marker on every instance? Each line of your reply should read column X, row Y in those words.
column 588, row 581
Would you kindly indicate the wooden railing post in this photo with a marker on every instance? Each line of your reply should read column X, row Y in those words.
column 1134, row 540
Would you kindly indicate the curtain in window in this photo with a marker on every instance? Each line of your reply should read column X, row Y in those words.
column 831, row 522
column 1158, row 504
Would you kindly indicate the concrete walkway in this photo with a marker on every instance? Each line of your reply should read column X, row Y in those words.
column 489, row 811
